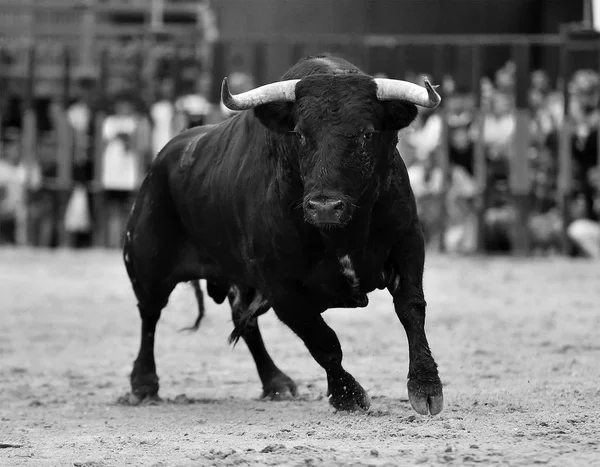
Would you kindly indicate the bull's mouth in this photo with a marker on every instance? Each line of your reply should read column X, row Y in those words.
column 326, row 225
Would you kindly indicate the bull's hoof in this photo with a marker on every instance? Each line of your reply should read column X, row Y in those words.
column 426, row 398
column 134, row 400
column 144, row 386
column 280, row 388
column 346, row 394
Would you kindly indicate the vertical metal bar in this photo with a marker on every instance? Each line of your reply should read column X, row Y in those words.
column 598, row 134
column 260, row 63
column 88, row 30
column 157, row 8
column 296, row 52
column 100, row 231
column 479, row 163
column 64, row 149
column 29, row 139
column 175, row 70
column 439, row 54
column 221, row 52
column 444, row 165
column 2, row 88
column 519, row 170
column 564, row 152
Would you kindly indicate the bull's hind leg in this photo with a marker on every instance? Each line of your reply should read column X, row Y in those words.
column 157, row 257
column 406, row 286
column 246, row 306
column 152, row 292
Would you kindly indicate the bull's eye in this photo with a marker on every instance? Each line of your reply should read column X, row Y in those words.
column 368, row 135
column 300, row 137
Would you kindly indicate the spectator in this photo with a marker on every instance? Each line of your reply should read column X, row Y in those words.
column 460, row 128
column 585, row 115
column 16, row 179
column 498, row 131
column 81, row 122
column 545, row 221
column 195, row 106
column 166, row 121
column 123, row 166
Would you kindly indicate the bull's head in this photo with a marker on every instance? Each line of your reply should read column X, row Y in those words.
column 345, row 127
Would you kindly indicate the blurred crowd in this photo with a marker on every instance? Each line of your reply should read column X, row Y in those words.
column 133, row 133
column 494, row 131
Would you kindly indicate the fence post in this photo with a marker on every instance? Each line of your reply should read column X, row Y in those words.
column 443, row 158
column 564, row 151
column 2, row 87
column 260, row 63
column 100, row 235
column 64, row 150
column 296, row 53
column 29, row 143
column 221, row 53
column 519, row 170
column 479, row 162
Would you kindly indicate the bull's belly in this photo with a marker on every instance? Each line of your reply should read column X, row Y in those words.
column 340, row 285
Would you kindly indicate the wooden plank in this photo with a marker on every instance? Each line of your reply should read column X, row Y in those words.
column 479, row 162
column 565, row 170
column 444, row 165
column 64, row 151
column 260, row 63
column 28, row 147
column 100, row 231
column 296, row 52
column 519, row 169
column 520, row 183
column 221, row 55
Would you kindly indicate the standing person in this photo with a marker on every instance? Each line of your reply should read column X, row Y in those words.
column 122, row 163
column 16, row 182
column 80, row 118
column 164, row 116
column 585, row 210
column 195, row 106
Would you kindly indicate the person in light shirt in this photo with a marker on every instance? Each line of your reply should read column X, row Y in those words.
column 16, row 179
column 163, row 116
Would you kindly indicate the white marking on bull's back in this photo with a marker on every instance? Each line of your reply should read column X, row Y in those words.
column 348, row 270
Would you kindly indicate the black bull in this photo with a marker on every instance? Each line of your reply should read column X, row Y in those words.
column 300, row 204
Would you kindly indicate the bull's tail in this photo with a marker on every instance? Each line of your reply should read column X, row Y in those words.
column 245, row 318
column 216, row 290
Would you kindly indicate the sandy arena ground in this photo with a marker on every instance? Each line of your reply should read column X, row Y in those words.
column 517, row 343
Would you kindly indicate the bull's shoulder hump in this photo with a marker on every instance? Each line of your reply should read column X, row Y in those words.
column 186, row 159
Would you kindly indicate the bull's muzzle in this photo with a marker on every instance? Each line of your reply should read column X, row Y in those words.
column 325, row 212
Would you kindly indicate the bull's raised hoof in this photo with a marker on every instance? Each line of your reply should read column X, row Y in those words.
column 346, row 394
column 280, row 388
column 426, row 398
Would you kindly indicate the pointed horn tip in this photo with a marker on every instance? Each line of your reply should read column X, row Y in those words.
column 433, row 95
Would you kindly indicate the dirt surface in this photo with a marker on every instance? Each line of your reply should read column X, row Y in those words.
column 517, row 343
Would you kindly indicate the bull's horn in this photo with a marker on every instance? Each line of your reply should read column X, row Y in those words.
column 280, row 91
column 395, row 89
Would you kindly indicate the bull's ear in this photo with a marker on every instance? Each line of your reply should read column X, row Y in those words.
column 276, row 116
column 398, row 115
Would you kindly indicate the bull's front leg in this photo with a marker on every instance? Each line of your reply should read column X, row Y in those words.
column 344, row 392
column 405, row 283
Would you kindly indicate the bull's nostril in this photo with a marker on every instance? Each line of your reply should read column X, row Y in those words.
column 337, row 205
column 312, row 205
